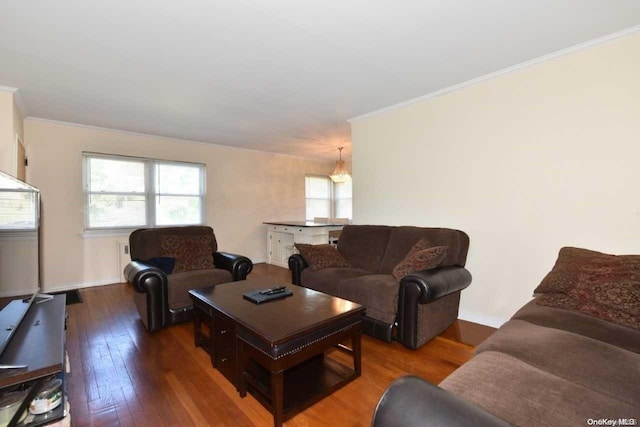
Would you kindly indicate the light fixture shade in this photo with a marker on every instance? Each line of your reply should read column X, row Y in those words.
column 340, row 173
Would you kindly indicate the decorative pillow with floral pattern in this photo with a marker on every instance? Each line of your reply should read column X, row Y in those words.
column 601, row 285
column 321, row 256
column 190, row 252
column 422, row 256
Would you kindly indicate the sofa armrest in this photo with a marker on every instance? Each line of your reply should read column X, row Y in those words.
column 296, row 264
column 423, row 287
column 239, row 266
column 411, row 401
column 153, row 282
column 433, row 284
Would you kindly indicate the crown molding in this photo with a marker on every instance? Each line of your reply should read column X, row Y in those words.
column 8, row 89
column 17, row 97
column 504, row 71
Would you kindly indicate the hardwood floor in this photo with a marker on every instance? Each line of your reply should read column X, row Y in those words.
column 123, row 375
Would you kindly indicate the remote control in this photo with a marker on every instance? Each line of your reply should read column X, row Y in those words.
column 272, row 291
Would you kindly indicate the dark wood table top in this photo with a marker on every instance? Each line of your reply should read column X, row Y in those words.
column 280, row 320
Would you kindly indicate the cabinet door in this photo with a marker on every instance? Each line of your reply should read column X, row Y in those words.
column 276, row 246
column 286, row 247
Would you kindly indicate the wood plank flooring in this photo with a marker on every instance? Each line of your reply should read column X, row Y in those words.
column 123, row 375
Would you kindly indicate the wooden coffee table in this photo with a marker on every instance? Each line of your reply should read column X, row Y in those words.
column 276, row 350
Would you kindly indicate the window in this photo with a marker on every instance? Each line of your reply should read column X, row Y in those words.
column 130, row 192
column 19, row 205
column 326, row 199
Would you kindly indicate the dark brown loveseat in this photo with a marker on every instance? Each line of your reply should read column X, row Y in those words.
column 421, row 305
column 569, row 357
column 168, row 262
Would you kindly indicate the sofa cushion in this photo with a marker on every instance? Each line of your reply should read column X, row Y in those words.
column 378, row 292
column 548, row 349
column 581, row 324
column 420, row 258
column 402, row 239
column 190, row 252
column 321, row 256
column 144, row 243
column 526, row 396
column 327, row 279
column 179, row 284
column 364, row 245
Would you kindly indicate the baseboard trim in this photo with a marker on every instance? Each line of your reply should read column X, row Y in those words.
column 481, row 320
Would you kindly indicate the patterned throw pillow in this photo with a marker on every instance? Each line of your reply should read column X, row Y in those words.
column 600, row 285
column 590, row 308
column 190, row 252
column 321, row 256
column 576, row 266
column 422, row 256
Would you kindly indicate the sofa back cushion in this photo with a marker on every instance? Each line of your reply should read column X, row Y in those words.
column 379, row 248
column 402, row 239
column 146, row 243
column 364, row 245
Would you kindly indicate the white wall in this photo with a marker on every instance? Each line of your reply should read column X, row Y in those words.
column 526, row 163
column 244, row 188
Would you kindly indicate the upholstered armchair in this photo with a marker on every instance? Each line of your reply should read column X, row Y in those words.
column 168, row 262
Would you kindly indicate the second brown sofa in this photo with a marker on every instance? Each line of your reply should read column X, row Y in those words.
column 413, row 310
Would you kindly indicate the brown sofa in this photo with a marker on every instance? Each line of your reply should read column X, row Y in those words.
column 161, row 296
column 550, row 365
column 419, row 306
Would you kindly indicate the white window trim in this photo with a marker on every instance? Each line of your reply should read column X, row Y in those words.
column 149, row 194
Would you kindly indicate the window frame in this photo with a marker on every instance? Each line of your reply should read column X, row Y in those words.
column 150, row 192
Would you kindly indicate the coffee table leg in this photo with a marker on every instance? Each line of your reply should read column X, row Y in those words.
column 356, row 344
column 277, row 397
column 241, row 372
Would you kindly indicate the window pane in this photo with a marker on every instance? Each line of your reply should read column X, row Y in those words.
column 343, row 190
column 177, row 210
column 116, row 176
column 177, row 179
column 343, row 208
column 318, row 207
column 116, row 210
column 17, row 211
column 318, row 187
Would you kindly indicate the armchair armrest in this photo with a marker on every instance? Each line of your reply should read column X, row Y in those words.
column 433, row 284
column 153, row 282
column 239, row 266
column 411, row 401
column 296, row 264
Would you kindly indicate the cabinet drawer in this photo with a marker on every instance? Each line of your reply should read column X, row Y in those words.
column 225, row 346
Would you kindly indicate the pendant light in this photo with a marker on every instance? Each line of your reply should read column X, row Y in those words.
column 340, row 173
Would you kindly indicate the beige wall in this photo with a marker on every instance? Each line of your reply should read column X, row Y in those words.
column 526, row 163
column 244, row 188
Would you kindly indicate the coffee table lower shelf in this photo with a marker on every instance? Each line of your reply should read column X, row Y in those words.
column 304, row 384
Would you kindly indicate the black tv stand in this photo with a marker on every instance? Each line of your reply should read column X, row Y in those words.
column 39, row 344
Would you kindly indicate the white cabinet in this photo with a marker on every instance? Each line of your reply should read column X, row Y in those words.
column 281, row 239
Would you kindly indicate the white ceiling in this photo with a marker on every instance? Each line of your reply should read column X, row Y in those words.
column 272, row 75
